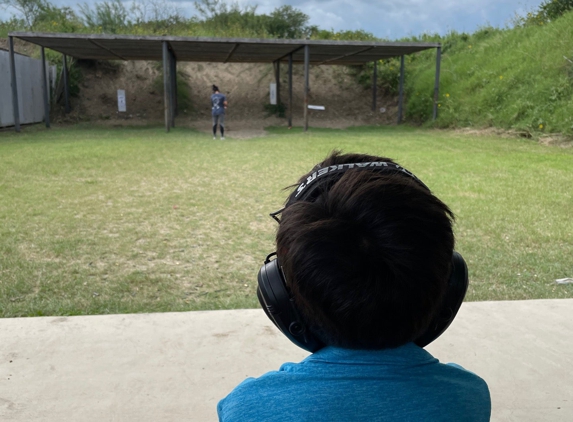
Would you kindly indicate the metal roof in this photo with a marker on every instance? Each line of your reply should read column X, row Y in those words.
column 225, row 50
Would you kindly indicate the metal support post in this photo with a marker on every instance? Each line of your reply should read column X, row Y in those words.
column 172, row 87
column 306, row 84
column 15, row 105
column 374, row 84
column 290, row 91
column 45, row 89
column 66, row 86
column 176, row 86
column 401, row 90
column 166, row 99
column 437, row 82
column 278, row 82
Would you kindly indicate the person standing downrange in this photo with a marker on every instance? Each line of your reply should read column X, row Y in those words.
column 218, row 107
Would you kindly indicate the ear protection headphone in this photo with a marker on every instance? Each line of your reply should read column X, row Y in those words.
column 278, row 303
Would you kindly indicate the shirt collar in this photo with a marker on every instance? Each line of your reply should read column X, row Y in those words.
column 407, row 354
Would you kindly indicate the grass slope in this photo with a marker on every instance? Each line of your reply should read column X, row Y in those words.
column 520, row 78
column 98, row 220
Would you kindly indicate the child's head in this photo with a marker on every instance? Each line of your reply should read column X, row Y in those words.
column 367, row 258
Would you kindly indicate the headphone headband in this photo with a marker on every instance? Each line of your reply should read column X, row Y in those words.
column 307, row 187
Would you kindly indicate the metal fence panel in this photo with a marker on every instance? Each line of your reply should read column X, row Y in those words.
column 29, row 83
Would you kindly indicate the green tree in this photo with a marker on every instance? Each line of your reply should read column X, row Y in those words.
column 547, row 11
column 220, row 18
column 109, row 16
column 552, row 9
column 55, row 19
column 358, row 35
column 211, row 9
column 144, row 11
column 287, row 22
column 29, row 9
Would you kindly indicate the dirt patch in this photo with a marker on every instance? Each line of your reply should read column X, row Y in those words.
column 493, row 131
column 553, row 139
column 235, row 128
column 556, row 140
column 20, row 46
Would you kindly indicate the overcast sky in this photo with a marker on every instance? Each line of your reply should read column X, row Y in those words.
column 383, row 18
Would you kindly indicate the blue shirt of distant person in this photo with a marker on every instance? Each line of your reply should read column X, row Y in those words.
column 218, row 107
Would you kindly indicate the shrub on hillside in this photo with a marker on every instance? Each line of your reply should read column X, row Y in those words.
column 547, row 11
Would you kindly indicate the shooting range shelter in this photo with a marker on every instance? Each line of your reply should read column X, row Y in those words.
column 171, row 50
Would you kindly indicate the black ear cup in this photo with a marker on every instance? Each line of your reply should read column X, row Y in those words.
column 279, row 306
column 457, row 288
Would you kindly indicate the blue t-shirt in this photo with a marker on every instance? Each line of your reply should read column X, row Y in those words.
column 218, row 104
column 334, row 384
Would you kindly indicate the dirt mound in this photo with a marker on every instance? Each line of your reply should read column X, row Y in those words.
column 247, row 89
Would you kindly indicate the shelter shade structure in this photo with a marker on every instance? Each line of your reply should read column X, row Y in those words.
column 171, row 50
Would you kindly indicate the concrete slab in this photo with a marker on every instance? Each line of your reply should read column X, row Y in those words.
column 176, row 366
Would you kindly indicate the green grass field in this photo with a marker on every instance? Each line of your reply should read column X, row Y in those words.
column 117, row 220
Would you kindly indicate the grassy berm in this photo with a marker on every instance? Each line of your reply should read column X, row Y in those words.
column 519, row 79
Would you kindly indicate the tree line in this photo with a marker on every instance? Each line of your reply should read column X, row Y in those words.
column 159, row 17
column 216, row 18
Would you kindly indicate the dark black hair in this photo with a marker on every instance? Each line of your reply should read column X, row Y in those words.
column 215, row 88
column 368, row 260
